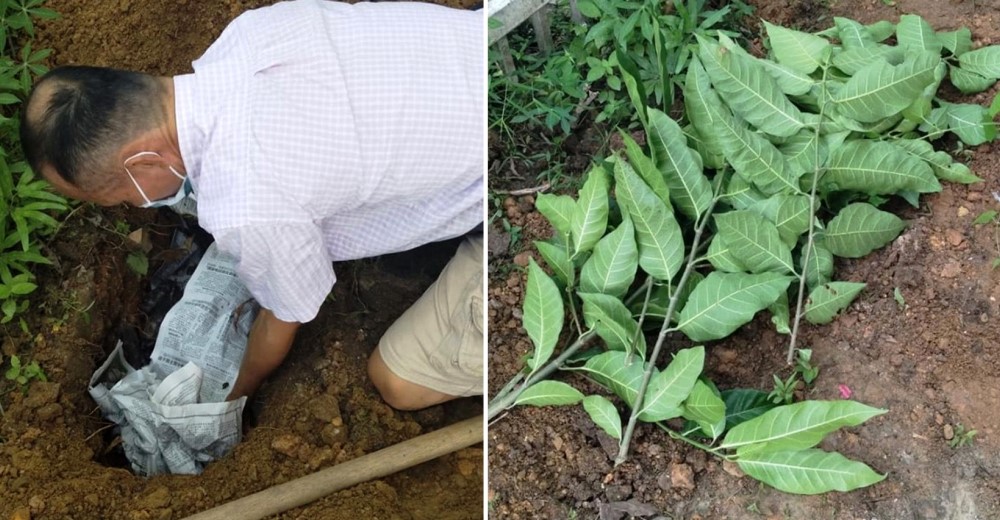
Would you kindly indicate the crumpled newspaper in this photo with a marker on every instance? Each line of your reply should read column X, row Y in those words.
column 172, row 413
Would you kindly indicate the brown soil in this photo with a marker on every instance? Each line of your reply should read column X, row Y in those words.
column 53, row 443
column 932, row 364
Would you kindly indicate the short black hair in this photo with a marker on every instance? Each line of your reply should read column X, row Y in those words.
column 88, row 113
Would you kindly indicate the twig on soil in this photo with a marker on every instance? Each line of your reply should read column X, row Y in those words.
column 524, row 191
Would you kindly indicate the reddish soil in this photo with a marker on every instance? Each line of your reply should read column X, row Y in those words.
column 932, row 364
column 54, row 446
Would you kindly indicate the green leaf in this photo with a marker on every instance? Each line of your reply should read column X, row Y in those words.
column 543, row 314
column 706, row 409
column 618, row 371
column 138, row 262
column 880, row 90
column 724, row 301
column 557, row 209
column 558, row 260
column 881, row 30
column 790, row 82
column 743, row 404
column 830, row 298
column 689, row 189
column 859, row 229
column 969, row 82
column 613, row 322
column 852, row 34
column 914, row 31
column 588, row 9
column 661, row 245
column 749, row 90
column 700, row 102
column 646, row 168
column 802, row 52
column 796, row 426
column 940, row 162
column 820, row 267
column 611, row 269
column 23, row 288
column 876, row 167
column 958, row 42
column 792, row 218
column 755, row 241
column 668, row 389
column 971, row 123
column 590, row 216
column 984, row 61
column 740, row 194
column 755, row 158
column 780, row 314
column 985, row 217
column 801, row 153
column 549, row 393
column 604, row 414
column 808, row 472
column 853, row 60
column 722, row 258
column 9, row 307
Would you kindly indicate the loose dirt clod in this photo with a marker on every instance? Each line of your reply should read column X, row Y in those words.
column 681, row 476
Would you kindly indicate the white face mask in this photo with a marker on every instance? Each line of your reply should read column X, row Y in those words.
column 182, row 192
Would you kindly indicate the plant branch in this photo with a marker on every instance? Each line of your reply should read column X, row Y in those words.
column 503, row 402
column 648, row 373
column 642, row 315
column 683, row 438
column 812, row 229
column 572, row 310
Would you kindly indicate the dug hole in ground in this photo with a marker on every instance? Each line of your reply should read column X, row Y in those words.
column 57, row 455
column 931, row 362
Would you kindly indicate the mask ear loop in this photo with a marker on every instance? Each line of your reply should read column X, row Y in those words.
column 136, row 184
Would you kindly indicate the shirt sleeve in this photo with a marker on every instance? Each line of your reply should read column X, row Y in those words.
column 285, row 267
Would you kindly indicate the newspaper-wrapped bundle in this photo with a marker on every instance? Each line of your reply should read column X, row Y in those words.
column 172, row 414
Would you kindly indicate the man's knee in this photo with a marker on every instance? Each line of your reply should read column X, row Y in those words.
column 398, row 392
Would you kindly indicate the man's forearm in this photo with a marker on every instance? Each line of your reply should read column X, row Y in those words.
column 269, row 342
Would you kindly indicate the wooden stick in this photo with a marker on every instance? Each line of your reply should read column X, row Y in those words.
column 304, row 490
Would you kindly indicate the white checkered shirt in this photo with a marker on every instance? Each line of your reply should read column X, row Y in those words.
column 319, row 131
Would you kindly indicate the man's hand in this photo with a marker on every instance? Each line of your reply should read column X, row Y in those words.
column 269, row 342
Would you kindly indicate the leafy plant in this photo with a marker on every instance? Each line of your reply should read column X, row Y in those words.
column 779, row 165
column 22, row 375
column 784, row 391
column 898, row 296
column 25, row 202
column 803, row 365
column 962, row 437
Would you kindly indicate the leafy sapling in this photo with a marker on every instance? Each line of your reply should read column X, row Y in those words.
column 962, row 437
column 24, row 374
column 804, row 366
column 784, row 391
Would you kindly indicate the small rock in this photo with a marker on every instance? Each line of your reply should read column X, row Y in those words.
column 522, row 258
column 466, row 467
column 287, row 444
column 320, row 457
column 951, row 270
column 681, row 476
column 36, row 504
column 726, row 355
column 157, row 498
column 324, row 408
column 954, row 237
column 618, row 493
column 732, row 468
column 42, row 393
column 663, row 481
column 333, row 435
column 140, row 238
column 963, row 211
column 21, row 514
column 49, row 411
column 949, row 432
column 938, row 419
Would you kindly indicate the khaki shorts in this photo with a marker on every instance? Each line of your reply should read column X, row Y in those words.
column 438, row 342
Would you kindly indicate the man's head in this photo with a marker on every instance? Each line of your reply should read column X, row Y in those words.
column 85, row 129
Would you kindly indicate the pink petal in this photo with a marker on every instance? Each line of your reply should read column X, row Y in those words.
column 845, row 391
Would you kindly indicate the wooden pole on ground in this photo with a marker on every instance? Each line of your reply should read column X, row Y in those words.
column 384, row 462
